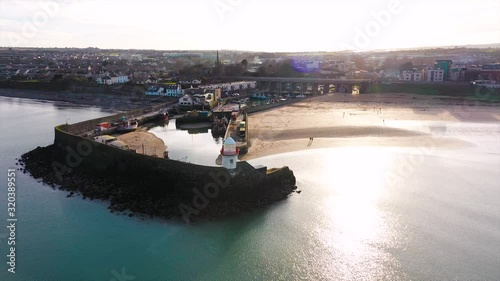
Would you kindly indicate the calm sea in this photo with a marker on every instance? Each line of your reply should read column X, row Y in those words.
column 363, row 214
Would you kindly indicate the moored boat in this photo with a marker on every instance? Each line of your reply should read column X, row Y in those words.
column 194, row 117
column 163, row 115
column 219, row 127
column 101, row 127
column 127, row 126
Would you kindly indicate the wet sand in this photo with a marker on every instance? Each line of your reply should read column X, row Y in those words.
column 371, row 119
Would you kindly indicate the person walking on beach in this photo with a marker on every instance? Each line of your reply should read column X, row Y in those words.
column 310, row 142
column 343, row 116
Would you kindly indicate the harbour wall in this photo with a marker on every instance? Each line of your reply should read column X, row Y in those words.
column 271, row 106
column 89, row 125
column 163, row 177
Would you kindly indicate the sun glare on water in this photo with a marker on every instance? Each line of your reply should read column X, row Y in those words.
column 357, row 183
column 353, row 222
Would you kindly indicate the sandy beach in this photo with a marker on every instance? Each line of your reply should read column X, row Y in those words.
column 144, row 142
column 373, row 119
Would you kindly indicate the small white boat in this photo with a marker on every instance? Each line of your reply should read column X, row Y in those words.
column 127, row 126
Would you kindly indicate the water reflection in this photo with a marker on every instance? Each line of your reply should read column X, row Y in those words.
column 345, row 225
column 353, row 224
column 202, row 129
column 346, row 231
column 193, row 144
column 21, row 103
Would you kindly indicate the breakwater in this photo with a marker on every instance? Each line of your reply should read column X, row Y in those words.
column 141, row 184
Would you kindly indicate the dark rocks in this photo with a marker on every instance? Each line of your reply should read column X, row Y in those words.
column 133, row 193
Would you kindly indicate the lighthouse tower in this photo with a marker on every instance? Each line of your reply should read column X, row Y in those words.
column 229, row 154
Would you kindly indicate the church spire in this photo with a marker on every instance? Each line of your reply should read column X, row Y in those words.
column 218, row 65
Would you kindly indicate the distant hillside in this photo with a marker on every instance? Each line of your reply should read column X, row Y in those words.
column 470, row 46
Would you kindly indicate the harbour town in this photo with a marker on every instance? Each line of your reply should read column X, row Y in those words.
column 249, row 140
column 101, row 158
column 144, row 159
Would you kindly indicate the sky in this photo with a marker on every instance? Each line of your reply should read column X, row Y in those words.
column 249, row 25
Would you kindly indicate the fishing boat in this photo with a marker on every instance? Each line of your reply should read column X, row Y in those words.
column 127, row 126
column 194, row 117
column 101, row 127
column 163, row 115
column 219, row 127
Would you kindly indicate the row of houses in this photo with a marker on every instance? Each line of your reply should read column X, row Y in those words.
column 427, row 74
column 438, row 73
column 189, row 81
column 203, row 100
column 175, row 89
column 444, row 70
column 108, row 78
column 233, row 86
column 456, row 74
column 167, row 90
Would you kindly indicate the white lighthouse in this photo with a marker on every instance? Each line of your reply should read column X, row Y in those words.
column 229, row 154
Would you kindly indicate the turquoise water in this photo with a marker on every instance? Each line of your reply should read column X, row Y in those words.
column 438, row 222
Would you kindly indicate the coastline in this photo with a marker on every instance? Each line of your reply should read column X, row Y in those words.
column 148, row 185
column 387, row 119
column 331, row 120
column 106, row 101
column 339, row 119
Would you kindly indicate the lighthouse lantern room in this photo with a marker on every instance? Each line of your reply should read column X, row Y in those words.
column 229, row 154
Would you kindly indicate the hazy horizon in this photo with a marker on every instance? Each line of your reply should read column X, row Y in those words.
column 258, row 26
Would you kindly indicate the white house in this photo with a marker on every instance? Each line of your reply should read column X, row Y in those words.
column 106, row 80
column 173, row 90
column 186, row 101
column 111, row 78
column 122, row 79
column 233, row 86
column 433, row 75
column 411, row 75
column 155, row 91
column 190, row 82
